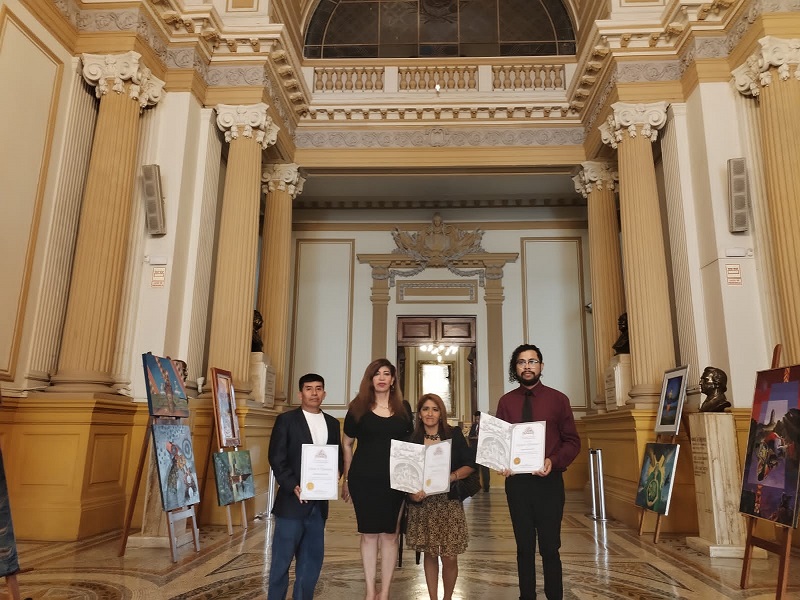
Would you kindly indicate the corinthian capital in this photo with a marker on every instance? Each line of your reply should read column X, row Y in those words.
column 597, row 175
column 99, row 68
column 784, row 54
column 647, row 118
column 285, row 177
column 252, row 121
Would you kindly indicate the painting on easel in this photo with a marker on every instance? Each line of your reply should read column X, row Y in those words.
column 9, row 562
column 657, row 477
column 166, row 396
column 225, row 408
column 670, row 407
column 770, row 480
column 233, row 472
column 175, row 462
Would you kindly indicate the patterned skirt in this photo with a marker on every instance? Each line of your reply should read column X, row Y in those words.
column 437, row 525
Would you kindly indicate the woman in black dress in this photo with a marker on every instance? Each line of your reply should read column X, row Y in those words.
column 436, row 523
column 376, row 416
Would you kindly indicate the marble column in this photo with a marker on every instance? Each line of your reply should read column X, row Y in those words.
column 597, row 182
column 771, row 75
column 631, row 129
column 125, row 88
column 248, row 130
column 282, row 184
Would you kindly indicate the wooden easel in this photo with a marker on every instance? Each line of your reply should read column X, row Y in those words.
column 172, row 516
column 215, row 434
column 782, row 547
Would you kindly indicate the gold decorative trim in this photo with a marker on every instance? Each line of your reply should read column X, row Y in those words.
column 437, row 292
column 7, row 372
column 486, row 226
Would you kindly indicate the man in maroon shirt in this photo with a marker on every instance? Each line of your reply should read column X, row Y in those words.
column 536, row 501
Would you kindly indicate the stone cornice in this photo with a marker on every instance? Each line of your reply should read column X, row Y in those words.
column 780, row 53
column 121, row 68
column 251, row 121
column 440, row 137
column 282, row 176
column 384, row 203
column 646, row 119
column 596, row 175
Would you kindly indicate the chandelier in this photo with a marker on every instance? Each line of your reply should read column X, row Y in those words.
column 439, row 351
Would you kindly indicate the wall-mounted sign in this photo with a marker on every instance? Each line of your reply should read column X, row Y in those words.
column 733, row 274
column 159, row 277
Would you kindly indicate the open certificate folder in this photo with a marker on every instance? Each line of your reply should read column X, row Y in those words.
column 415, row 467
column 319, row 472
column 518, row 447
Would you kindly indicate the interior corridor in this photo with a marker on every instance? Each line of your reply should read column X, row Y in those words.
column 600, row 562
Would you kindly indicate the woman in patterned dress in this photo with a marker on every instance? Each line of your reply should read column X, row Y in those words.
column 436, row 524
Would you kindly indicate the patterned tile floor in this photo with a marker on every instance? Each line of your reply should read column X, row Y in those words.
column 600, row 563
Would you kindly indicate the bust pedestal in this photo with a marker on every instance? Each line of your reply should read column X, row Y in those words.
column 618, row 381
column 717, row 486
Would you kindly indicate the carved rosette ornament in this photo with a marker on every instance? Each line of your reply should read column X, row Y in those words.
column 595, row 175
column 783, row 54
column 284, row 177
column 635, row 118
column 251, row 121
column 98, row 69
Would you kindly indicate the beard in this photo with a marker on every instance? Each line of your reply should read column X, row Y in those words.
column 528, row 378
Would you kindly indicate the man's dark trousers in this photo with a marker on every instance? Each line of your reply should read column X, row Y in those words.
column 536, row 505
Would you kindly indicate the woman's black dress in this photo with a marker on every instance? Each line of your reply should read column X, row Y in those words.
column 377, row 505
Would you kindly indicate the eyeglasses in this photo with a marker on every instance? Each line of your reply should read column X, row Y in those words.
column 531, row 362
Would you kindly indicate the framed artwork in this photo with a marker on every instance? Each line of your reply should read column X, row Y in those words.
column 657, row 477
column 233, row 472
column 670, row 407
column 166, row 394
column 770, row 479
column 225, row 408
column 175, row 463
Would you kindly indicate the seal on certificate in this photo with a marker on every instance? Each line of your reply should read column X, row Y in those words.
column 310, row 486
column 517, row 460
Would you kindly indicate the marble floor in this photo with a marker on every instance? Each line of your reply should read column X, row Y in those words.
column 600, row 562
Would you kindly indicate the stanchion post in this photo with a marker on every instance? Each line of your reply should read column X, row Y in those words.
column 592, row 482
column 273, row 484
column 600, row 488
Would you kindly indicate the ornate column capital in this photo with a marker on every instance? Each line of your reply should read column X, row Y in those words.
column 283, row 176
column 650, row 117
column 774, row 52
column 99, row 68
column 599, row 175
column 250, row 120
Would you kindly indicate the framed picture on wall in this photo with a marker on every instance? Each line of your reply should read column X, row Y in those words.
column 670, row 407
column 225, row 408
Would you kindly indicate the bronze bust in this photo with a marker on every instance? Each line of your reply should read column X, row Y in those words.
column 714, row 384
column 257, row 345
column 623, row 344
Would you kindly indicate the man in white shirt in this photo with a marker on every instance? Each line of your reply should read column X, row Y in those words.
column 299, row 524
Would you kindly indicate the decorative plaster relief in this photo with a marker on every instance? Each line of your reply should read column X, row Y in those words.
column 406, row 291
column 647, row 118
column 630, row 72
column 437, row 137
column 282, row 176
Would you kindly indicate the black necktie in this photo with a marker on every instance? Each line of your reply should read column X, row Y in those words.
column 527, row 409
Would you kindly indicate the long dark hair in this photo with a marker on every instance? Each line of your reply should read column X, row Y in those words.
column 445, row 433
column 365, row 399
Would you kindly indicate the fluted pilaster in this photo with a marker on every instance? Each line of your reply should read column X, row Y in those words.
column 91, row 325
column 772, row 74
column 248, row 130
column 631, row 129
column 597, row 182
column 282, row 184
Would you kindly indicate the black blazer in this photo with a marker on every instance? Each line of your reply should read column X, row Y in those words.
column 285, row 452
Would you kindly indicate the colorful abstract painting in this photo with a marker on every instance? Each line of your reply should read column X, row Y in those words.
column 670, row 407
column 770, row 479
column 233, row 472
column 657, row 477
column 176, row 470
column 166, row 395
column 9, row 562
column 225, row 408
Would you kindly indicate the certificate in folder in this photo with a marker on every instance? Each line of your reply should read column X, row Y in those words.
column 518, row 447
column 415, row 467
column 319, row 472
